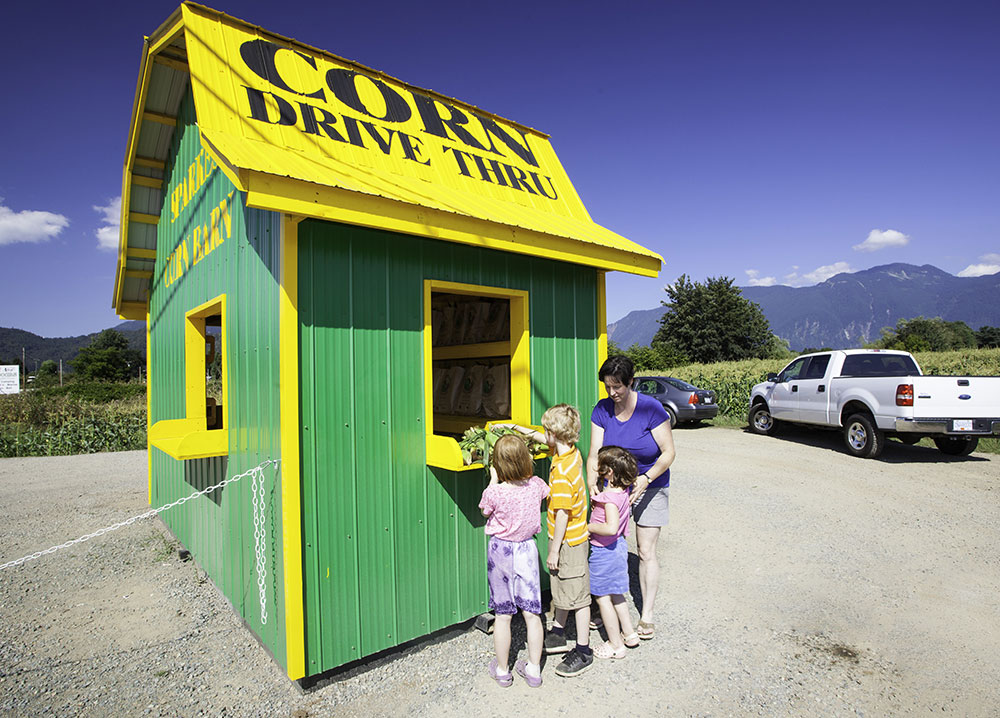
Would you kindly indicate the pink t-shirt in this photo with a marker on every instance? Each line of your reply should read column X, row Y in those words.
column 599, row 515
column 514, row 509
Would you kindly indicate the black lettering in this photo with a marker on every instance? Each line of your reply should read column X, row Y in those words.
column 460, row 159
column 324, row 121
column 384, row 145
column 485, row 172
column 518, row 179
column 492, row 128
column 343, row 84
column 259, row 56
column 435, row 124
column 538, row 184
column 353, row 131
column 412, row 147
column 258, row 108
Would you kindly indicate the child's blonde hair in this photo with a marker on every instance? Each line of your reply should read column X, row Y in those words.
column 620, row 462
column 563, row 422
column 511, row 459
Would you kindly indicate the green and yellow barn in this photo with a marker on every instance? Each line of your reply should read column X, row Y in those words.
column 350, row 254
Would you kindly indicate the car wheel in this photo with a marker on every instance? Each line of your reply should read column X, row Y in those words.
column 761, row 421
column 862, row 437
column 957, row 446
column 672, row 415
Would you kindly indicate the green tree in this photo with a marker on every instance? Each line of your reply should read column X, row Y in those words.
column 47, row 374
column 107, row 358
column 988, row 337
column 713, row 322
column 920, row 335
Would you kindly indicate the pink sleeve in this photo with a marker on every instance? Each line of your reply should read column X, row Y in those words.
column 543, row 488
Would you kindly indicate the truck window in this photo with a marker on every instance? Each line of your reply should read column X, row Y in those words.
column 793, row 370
column 878, row 365
column 817, row 367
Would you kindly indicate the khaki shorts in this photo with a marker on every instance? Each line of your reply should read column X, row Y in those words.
column 571, row 581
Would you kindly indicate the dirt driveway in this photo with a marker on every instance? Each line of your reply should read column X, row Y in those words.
column 797, row 580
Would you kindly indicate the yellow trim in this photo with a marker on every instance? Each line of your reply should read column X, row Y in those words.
column 132, row 310
column 140, row 253
column 147, row 181
column 149, row 416
column 166, row 35
column 602, row 325
column 143, row 218
column 172, row 63
column 162, row 119
column 190, row 438
column 443, row 451
column 284, row 194
column 138, row 274
column 150, row 162
column 291, row 499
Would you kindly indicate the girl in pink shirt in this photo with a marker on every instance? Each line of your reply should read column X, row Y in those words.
column 512, row 507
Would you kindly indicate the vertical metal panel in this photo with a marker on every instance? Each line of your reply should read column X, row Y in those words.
column 394, row 549
column 218, row 528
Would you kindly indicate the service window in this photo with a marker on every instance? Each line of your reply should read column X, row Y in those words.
column 476, row 362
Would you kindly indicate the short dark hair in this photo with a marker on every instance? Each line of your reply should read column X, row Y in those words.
column 618, row 366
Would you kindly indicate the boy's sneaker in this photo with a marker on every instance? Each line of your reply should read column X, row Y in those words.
column 556, row 643
column 574, row 664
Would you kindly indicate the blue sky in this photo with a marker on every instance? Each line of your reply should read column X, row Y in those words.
column 771, row 142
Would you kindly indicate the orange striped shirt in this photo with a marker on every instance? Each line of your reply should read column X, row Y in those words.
column 568, row 491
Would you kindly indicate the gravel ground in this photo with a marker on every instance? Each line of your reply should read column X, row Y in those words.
column 796, row 581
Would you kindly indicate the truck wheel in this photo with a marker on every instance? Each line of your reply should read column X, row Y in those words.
column 761, row 421
column 863, row 437
column 957, row 446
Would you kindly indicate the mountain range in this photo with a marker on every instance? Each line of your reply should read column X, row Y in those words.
column 850, row 309
column 37, row 349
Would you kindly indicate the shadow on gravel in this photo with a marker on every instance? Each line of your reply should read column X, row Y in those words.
column 895, row 452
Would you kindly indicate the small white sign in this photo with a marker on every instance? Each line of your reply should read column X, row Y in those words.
column 10, row 379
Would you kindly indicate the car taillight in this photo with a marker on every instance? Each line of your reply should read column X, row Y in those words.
column 904, row 395
column 693, row 399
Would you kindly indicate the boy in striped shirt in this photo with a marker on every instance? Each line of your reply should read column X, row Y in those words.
column 568, row 538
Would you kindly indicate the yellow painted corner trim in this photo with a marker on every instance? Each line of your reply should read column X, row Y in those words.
column 138, row 274
column 602, row 324
column 140, row 253
column 291, row 490
column 149, row 162
column 181, row 439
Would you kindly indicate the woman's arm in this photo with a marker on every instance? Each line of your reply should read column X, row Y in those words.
column 610, row 525
column 596, row 442
column 665, row 442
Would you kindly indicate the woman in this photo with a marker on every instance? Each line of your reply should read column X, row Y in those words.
column 639, row 423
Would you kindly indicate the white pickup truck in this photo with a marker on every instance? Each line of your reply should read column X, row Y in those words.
column 871, row 394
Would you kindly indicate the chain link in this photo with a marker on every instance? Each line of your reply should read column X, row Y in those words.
column 257, row 489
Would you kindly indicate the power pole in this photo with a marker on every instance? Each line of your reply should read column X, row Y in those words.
column 24, row 372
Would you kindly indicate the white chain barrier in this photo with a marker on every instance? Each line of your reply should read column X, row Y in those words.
column 259, row 529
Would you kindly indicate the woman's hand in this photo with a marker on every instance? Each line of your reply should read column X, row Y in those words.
column 642, row 482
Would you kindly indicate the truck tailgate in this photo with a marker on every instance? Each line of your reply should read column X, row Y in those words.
column 956, row 397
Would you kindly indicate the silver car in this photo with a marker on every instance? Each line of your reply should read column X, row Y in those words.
column 683, row 401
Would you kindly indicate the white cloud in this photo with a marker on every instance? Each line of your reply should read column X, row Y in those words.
column 29, row 225
column 107, row 235
column 880, row 239
column 755, row 280
column 820, row 274
column 989, row 264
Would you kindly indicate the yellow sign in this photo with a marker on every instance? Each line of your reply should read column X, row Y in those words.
column 255, row 87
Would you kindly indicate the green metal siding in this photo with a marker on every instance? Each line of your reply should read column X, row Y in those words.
column 218, row 528
column 394, row 549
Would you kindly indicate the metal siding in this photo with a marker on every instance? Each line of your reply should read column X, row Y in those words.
column 218, row 528
column 395, row 549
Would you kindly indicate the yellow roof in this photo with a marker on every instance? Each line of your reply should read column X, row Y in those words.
column 308, row 133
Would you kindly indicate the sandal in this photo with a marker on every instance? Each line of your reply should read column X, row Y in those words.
column 631, row 640
column 645, row 630
column 502, row 681
column 606, row 650
column 596, row 623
